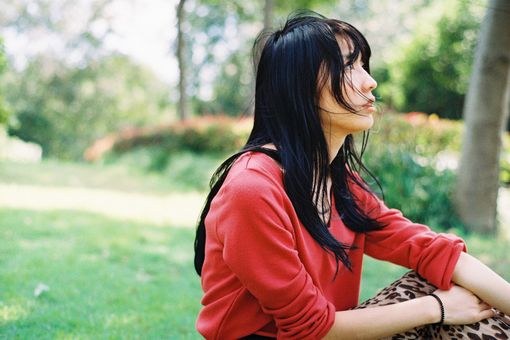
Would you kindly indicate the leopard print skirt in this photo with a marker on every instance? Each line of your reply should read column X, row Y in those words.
column 411, row 286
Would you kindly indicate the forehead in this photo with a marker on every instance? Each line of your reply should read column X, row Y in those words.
column 346, row 46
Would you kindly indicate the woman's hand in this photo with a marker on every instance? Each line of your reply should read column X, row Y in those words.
column 462, row 306
column 476, row 277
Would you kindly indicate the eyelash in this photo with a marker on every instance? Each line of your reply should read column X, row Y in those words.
column 351, row 65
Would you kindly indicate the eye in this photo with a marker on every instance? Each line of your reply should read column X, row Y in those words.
column 349, row 64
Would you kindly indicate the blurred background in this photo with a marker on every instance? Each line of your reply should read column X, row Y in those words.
column 115, row 113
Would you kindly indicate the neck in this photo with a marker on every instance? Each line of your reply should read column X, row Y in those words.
column 335, row 142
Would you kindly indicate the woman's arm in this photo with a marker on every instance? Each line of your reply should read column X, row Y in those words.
column 378, row 322
column 461, row 307
column 475, row 276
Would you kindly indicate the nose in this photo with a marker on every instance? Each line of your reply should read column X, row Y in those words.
column 370, row 83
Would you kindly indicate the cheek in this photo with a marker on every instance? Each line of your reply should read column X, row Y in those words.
column 349, row 86
column 327, row 101
column 349, row 93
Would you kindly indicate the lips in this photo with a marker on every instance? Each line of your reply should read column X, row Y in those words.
column 369, row 107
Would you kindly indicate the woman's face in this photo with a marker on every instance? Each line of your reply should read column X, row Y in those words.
column 357, row 89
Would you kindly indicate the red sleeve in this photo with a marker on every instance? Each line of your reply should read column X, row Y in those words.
column 412, row 245
column 260, row 249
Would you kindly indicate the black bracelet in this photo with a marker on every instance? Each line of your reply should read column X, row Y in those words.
column 440, row 323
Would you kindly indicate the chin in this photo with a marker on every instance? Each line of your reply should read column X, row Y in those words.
column 362, row 123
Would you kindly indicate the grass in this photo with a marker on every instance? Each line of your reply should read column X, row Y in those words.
column 107, row 278
column 132, row 172
column 113, row 278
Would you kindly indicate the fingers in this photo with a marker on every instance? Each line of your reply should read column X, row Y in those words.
column 487, row 313
column 483, row 306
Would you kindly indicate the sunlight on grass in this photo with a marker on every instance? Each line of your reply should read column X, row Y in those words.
column 177, row 209
column 117, row 256
column 11, row 312
column 109, row 278
column 121, row 320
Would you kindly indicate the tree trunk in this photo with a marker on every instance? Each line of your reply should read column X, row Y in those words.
column 268, row 14
column 507, row 116
column 268, row 24
column 182, row 109
column 478, row 174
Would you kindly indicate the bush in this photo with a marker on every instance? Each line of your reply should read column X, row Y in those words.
column 4, row 113
column 188, row 152
column 206, row 134
column 64, row 108
column 419, row 190
column 431, row 72
column 182, row 170
column 505, row 161
column 404, row 154
column 417, row 133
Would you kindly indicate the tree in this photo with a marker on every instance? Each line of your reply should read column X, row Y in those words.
column 183, row 110
column 268, row 14
column 76, row 28
column 478, row 175
column 220, row 26
column 4, row 113
column 431, row 72
column 64, row 109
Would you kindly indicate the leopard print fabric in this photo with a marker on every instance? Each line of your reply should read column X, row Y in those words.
column 411, row 286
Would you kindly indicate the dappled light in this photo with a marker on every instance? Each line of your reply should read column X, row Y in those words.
column 180, row 209
column 10, row 313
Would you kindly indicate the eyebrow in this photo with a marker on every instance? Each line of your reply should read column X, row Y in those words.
column 348, row 56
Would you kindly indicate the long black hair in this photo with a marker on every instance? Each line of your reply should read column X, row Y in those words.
column 288, row 84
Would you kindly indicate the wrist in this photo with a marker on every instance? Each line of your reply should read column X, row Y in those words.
column 441, row 307
column 432, row 309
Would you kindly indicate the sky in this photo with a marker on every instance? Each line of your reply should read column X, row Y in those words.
column 146, row 31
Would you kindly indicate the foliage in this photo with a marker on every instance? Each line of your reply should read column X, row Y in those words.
column 182, row 171
column 420, row 191
column 65, row 109
column 431, row 72
column 505, row 160
column 234, row 74
column 75, row 30
column 417, row 133
column 227, row 58
column 227, row 85
column 206, row 134
column 4, row 113
column 411, row 155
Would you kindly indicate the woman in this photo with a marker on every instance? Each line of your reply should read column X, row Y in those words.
column 282, row 235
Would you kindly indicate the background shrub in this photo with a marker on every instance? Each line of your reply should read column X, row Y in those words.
column 413, row 156
column 430, row 73
column 406, row 152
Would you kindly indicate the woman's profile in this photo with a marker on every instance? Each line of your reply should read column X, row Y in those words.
column 280, row 241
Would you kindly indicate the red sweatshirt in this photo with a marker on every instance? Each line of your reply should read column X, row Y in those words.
column 263, row 272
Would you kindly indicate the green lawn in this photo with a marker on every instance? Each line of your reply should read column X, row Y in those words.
column 185, row 171
column 107, row 278
column 112, row 278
